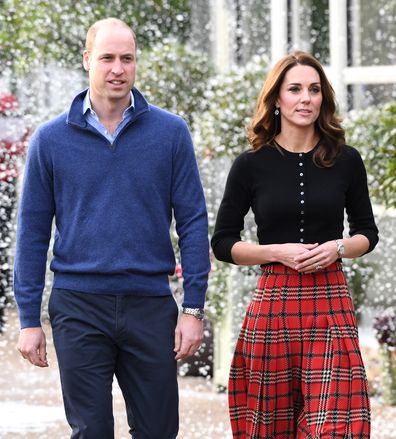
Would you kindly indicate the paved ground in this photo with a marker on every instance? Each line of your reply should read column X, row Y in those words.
column 31, row 406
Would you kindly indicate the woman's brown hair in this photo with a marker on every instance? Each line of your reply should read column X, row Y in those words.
column 265, row 125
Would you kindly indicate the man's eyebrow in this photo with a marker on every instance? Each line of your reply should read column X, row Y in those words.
column 113, row 54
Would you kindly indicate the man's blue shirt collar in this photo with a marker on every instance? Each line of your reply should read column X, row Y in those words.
column 92, row 118
column 87, row 105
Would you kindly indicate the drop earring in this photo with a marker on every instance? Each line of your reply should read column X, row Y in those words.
column 276, row 112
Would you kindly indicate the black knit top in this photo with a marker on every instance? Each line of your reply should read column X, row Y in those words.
column 293, row 200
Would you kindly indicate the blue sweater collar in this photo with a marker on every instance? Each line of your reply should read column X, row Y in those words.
column 75, row 115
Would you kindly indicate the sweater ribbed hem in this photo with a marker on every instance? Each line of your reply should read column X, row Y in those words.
column 116, row 284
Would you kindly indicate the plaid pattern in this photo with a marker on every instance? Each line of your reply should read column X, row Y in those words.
column 297, row 371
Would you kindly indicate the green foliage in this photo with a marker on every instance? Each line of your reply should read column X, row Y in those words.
column 231, row 101
column 373, row 132
column 319, row 31
column 217, row 290
column 388, row 378
column 385, row 331
column 36, row 31
column 358, row 273
column 175, row 77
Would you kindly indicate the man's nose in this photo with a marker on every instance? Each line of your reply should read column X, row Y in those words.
column 117, row 67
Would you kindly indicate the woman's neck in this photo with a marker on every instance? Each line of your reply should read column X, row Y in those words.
column 297, row 140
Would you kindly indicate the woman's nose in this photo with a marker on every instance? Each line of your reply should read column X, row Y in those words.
column 305, row 96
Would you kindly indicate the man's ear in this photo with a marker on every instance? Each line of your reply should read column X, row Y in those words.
column 86, row 60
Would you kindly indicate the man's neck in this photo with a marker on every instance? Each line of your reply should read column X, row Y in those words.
column 110, row 109
column 110, row 113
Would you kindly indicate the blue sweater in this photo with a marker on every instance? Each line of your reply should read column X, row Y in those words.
column 113, row 208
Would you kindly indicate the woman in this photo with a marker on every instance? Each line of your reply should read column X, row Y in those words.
column 297, row 370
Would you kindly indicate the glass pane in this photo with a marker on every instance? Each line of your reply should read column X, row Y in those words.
column 373, row 26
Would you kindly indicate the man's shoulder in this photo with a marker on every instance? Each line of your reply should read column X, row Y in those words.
column 56, row 123
column 166, row 116
column 51, row 128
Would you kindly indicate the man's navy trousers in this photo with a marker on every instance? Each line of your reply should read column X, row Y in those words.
column 132, row 337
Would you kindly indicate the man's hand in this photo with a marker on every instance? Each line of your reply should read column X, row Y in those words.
column 32, row 346
column 188, row 336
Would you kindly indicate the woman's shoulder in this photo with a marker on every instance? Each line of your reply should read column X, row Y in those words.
column 349, row 153
column 350, row 161
column 251, row 155
column 252, row 161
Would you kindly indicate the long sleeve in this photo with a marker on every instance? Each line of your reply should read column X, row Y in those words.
column 358, row 207
column 190, row 213
column 233, row 209
column 35, row 216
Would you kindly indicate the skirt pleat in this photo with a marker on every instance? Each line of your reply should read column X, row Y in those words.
column 297, row 371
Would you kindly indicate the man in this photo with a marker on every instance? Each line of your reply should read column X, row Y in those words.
column 111, row 171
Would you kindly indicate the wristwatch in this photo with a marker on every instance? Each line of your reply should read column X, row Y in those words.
column 340, row 248
column 198, row 313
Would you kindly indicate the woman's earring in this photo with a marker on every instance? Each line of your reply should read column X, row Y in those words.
column 276, row 112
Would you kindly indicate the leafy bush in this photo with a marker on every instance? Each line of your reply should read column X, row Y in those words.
column 175, row 77
column 31, row 31
column 385, row 328
column 220, row 135
column 358, row 273
column 373, row 132
column 385, row 331
column 231, row 101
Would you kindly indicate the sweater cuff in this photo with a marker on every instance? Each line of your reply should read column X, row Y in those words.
column 29, row 319
column 222, row 249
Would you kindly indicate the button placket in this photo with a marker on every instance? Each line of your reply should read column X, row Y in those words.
column 301, row 167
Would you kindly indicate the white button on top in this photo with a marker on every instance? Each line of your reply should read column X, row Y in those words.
column 301, row 239
column 301, row 184
column 302, row 201
column 302, row 212
column 300, row 154
column 301, row 174
column 302, row 193
column 301, row 163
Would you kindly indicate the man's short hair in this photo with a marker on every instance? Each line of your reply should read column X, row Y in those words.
column 93, row 30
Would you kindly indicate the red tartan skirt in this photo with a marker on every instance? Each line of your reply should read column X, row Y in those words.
column 297, row 371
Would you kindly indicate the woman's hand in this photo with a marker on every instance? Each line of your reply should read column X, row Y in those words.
column 289, row 253
column 317, row 258
column 246, row 253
